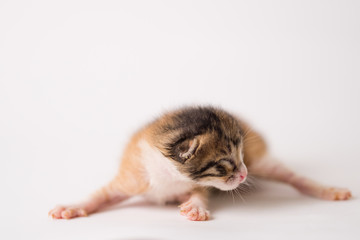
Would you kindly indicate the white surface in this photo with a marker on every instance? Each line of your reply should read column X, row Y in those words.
column 78, row 77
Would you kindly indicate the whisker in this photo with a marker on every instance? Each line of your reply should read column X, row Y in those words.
column 232, row 194
column 239, row 194
column 251, row 139
column 244, row 189
column 254, row 136
column 247, row 131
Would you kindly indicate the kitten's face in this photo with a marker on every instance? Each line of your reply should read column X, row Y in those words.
column 205, row 144
column 214, row 161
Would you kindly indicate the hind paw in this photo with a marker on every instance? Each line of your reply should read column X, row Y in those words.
column 67, row 212
column 333, row 193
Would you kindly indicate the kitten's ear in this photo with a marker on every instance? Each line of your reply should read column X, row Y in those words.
column 186, row 149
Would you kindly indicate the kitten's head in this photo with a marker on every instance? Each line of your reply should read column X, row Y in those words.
column 212, row 161
column 206, row 145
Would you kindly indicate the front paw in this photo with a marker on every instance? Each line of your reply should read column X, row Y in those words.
column 194, row 212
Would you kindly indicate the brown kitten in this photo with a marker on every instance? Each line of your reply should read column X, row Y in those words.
column 183, row 154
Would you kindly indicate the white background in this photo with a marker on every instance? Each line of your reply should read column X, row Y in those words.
column 78, row 77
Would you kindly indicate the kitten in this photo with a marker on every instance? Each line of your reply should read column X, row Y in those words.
column 183, row 154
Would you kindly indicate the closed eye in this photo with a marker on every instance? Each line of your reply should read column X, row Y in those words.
column 229, row 163
column 221, row 169
column 215, row 169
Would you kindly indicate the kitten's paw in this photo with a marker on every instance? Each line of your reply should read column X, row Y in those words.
column 194, row 212
column 333, row 193
column 67, row 212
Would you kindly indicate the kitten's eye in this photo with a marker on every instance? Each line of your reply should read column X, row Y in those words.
column 221, row 169
column 229, row 164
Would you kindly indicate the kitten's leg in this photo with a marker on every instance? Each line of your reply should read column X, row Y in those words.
column 274, row 170
column 195, row 208
column 110, row 194
column 129, row 181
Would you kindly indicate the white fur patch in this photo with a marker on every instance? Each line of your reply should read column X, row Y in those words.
column 166, row 182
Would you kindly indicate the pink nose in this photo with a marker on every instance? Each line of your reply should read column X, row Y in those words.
column 243, row 173
column 242, row 177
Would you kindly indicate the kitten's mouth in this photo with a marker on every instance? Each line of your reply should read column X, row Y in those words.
column 235, row 180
